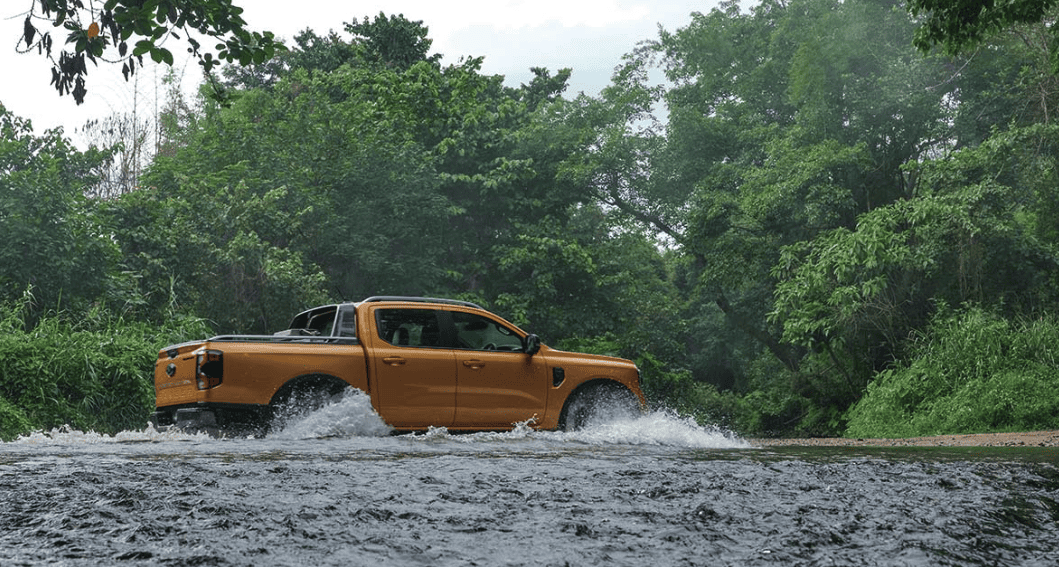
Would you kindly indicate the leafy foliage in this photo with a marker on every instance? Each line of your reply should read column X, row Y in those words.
column 215, row 258
column 417, row 179
column 971, row 371
column 961, row 24
column 53, row 238
column 865, row 289
column 394, row 41
column 134, row 28
column 91, row 372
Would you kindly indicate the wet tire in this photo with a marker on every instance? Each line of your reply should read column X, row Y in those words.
column 598, row 403
column 303, row 397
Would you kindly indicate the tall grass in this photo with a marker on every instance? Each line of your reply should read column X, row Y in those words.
column 970, row 372
column 91, row 371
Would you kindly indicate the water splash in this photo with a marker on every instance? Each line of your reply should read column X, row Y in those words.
column 67, row 435
column 351, row 416
column 661, row 428
column 354, row 417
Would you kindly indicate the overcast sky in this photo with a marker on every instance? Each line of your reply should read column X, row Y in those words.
column 589, row 36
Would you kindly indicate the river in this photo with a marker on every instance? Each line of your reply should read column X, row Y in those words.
column 336, row 488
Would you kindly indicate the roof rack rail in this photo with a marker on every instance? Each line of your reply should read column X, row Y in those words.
column 421, row 300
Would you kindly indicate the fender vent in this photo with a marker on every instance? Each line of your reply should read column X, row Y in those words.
column 558, row 375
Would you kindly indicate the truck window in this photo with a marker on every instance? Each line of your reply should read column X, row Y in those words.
column 322, row 322
column 408, row 327
column 481, row 333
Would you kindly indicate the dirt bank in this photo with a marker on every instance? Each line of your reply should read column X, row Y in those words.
column 1031, row 439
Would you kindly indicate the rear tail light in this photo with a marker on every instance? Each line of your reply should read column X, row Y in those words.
column 209, row 369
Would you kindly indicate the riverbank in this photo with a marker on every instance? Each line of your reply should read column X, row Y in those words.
column 1029, row 439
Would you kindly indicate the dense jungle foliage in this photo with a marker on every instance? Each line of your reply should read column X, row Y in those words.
column 811, row 227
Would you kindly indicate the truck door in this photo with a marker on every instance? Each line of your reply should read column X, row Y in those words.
column 414, row 372
column 497, row 383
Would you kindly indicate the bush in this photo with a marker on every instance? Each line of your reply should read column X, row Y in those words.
column 92, row 372
column 970, row 372
column 12, row 419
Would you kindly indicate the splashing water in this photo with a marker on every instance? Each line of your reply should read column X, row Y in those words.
column 67, row 435
column 658, row 428
column 351, row 416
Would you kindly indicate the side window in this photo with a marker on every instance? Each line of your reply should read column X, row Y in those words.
column 408, row 327
column 475, row 332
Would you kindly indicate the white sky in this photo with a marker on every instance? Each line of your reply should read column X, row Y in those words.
column 589, row 36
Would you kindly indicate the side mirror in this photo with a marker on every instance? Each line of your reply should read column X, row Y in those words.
column 531, row 344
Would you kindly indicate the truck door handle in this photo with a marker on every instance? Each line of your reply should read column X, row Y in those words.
column 394, row 361
column 475, row 364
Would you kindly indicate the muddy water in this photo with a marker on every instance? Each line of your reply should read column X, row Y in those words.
column 336, row 489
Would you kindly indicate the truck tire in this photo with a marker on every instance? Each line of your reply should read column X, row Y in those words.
column 598, row 402
column 303, row 396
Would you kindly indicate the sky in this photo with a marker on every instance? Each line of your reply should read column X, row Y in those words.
column 589, row 36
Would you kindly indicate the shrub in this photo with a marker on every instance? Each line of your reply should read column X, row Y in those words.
column 12, row 419
column 970, row 372
column 92, row 372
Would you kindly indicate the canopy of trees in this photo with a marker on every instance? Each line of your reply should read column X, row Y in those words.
column 960, row 24
column 824, row 219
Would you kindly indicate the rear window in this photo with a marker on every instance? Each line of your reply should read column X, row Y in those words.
column 322, row 323
column 319, row 321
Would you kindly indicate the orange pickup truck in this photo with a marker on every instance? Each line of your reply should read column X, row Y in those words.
column 424, row 362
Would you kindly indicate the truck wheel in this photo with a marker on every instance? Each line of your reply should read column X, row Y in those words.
column 598, row 403
column 304, row 396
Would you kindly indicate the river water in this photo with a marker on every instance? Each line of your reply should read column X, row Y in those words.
column 335, row 488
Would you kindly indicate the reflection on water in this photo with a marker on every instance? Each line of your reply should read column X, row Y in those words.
column 337, row 489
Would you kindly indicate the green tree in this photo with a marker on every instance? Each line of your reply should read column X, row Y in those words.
column 796, row 131
column 980, row 233
column 957, row 25
column 54, row 241
column 371, row 217
column 386, row 42
column 387, row 175
column 209, row 247
column 394, row 41
column 784, row 122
